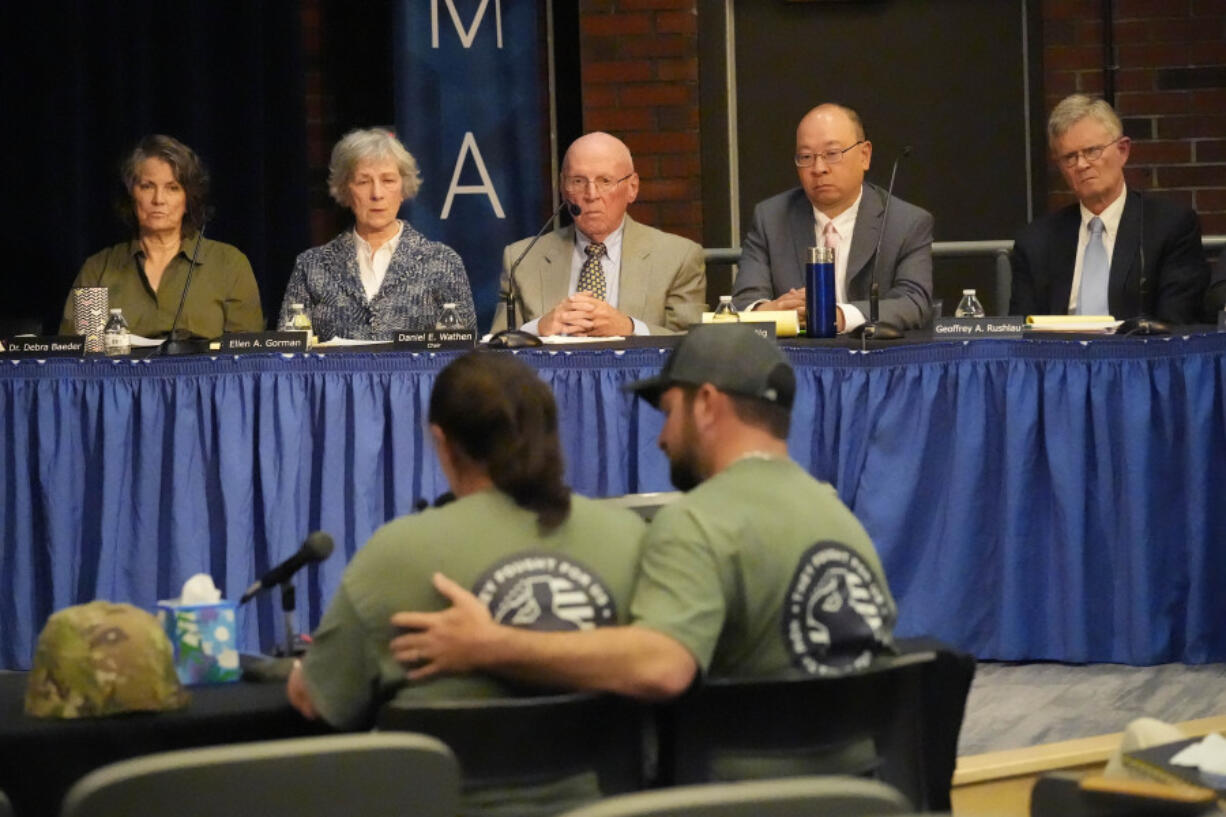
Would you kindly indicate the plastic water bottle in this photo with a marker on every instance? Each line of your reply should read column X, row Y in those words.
column 449, row 320
column 300, row 321
column 115, row 338
column 725, row 312
column 969, row 306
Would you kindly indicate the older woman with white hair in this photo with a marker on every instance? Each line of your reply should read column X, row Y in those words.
column 382, row 276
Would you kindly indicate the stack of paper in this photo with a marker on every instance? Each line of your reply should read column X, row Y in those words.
column 1104, row 324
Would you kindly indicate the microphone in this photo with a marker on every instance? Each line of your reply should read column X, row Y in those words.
column 179, row 342
column 1142, row 324
column 875, row 329
column 512, row 338
column 317, row 547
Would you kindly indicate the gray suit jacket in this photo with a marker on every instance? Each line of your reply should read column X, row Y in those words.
column 775, row 251
column 663, row 278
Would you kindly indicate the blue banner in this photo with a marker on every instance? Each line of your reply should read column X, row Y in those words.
column 470, row 108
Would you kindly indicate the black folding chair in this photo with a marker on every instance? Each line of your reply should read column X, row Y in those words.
column 872, row 723
column 534, row 739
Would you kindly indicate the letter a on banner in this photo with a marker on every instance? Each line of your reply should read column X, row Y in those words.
column 486, row 186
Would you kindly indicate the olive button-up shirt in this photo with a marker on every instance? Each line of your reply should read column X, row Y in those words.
column 223, row 295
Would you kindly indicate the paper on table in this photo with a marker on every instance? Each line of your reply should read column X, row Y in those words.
column 787, row 321
column 137, row 340
column 558, row 339
column 1072, row 323
column 349, row 342
column 1209, row 755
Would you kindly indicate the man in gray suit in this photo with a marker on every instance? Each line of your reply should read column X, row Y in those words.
column 611, row 275
column 835, row 207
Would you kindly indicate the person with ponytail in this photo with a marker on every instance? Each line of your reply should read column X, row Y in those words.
column 536, row 554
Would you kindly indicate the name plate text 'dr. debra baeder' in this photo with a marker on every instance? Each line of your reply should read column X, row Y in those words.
column 1010, row 326
column 416, row 341
column 242, row 343
column 40, row 346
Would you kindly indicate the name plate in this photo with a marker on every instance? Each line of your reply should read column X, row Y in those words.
column 1009, row 326
column 40, row 346
column 434, row 339
column 241, row 343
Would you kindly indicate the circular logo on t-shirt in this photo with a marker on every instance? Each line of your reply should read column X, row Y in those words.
column 836, row 615
column 545, row 591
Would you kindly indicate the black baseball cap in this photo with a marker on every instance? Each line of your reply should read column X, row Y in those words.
column 732, row 357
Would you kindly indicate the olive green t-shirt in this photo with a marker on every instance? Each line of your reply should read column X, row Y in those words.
column 762, row 571
column 223, row 295
column 577, row 576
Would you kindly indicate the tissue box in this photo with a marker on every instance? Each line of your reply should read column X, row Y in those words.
column 205, row 640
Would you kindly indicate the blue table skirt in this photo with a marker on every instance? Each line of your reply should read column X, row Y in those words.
column 1031, row 500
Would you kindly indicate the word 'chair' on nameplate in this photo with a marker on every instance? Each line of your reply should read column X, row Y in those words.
column 533, row 739
column 830, row 796
column 373, row 775
column 869, row 723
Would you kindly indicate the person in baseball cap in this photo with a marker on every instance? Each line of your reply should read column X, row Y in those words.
column 101, row 659
column 759, row 570
column 735, row 358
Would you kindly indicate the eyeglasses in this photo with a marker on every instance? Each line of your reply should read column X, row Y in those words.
column 830, row 157
column 1092, row 154
column 603, row 184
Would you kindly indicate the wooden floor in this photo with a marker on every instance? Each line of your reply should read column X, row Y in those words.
column 997, row 784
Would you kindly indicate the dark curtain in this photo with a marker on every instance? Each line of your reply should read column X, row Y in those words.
column 82, row 81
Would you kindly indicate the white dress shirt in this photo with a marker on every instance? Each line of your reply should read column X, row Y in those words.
column 1111, row 228
column 845, row 224
column 372, row 265
column 611, row 262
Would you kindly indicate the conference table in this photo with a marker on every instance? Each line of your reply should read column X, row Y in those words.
column 1032, row 499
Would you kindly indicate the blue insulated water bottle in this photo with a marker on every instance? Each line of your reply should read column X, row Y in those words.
column 821, row 314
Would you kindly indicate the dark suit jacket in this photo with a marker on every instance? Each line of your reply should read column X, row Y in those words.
column 1044, row 254
column 663, row 279
column 1215, row 296
column 774, row 254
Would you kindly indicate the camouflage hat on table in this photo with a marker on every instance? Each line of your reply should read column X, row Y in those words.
column 102, row 659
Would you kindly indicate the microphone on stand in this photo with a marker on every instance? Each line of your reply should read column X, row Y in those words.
column 1142, row 324
column 512, row 338
column 180, row 341
column 317, row 547
column 875, row 329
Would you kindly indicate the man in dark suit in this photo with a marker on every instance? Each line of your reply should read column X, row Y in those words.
column 607, row 274
column 1094, row 257
column 1215, row 295
column 835, row 207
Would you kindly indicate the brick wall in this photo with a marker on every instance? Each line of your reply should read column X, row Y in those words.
column 639, row 68
column 1170, row 90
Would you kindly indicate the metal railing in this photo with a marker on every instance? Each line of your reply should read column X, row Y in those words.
column 940, row 249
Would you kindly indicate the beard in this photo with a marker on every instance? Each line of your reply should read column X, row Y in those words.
column 683, row 474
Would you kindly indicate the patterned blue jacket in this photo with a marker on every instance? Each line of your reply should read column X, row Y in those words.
column 422, row 276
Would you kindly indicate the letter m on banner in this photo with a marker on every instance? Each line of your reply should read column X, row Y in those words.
column 466, row 35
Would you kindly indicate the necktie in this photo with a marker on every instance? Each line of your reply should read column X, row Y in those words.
column 591, row 277
column 830, row 235
column 1095, row 272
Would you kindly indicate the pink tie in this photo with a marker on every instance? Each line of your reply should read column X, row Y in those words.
column 830, row 235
